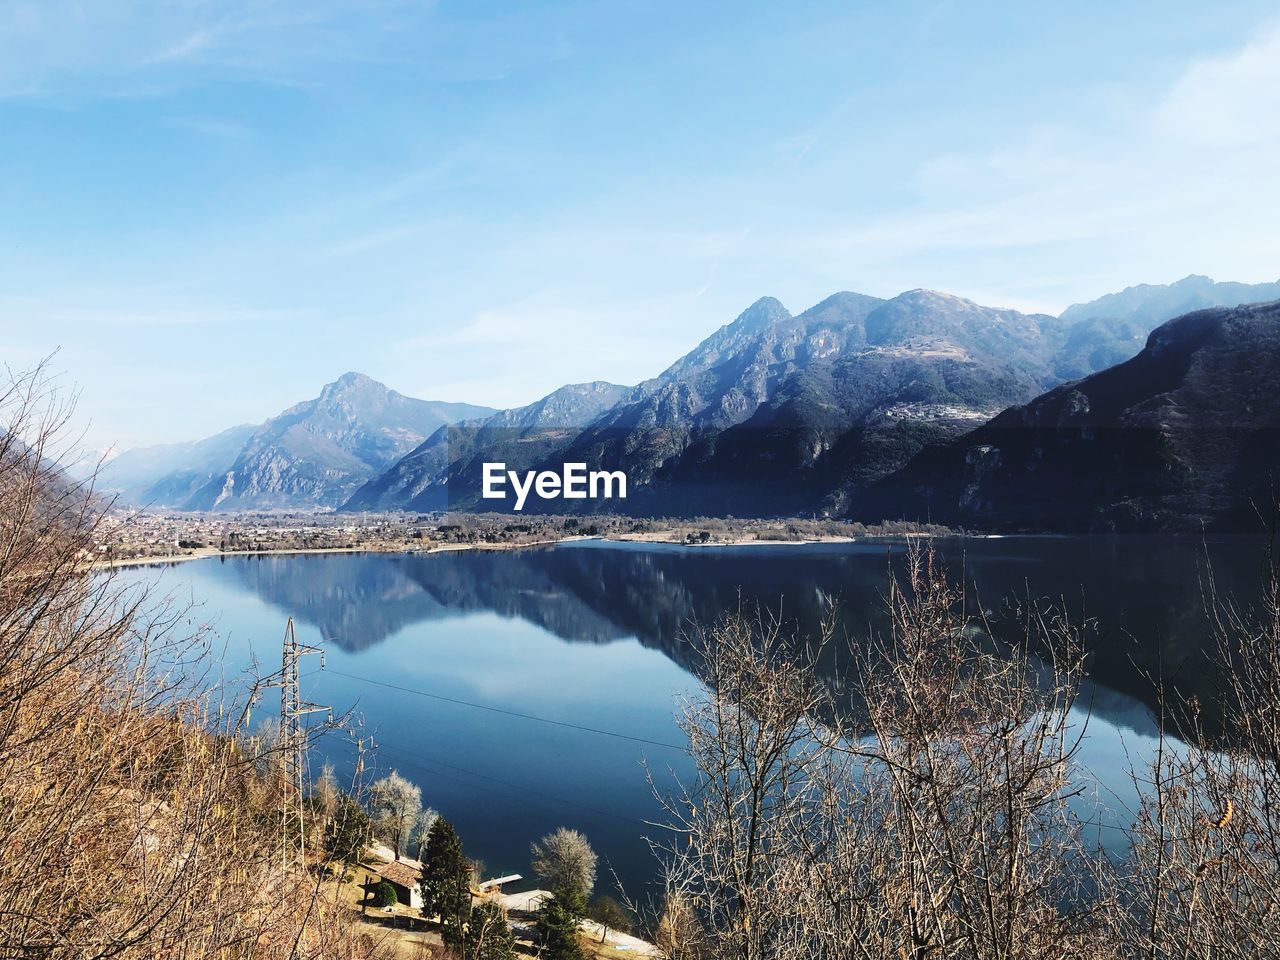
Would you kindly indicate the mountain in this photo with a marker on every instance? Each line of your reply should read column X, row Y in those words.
column 777, row 413
column 1150, row 304
column 721, row 382
column 832, row 427
column 167, row 475
column 1184, row 435
column 317, row 453
column 772, row 413
column 453, row 455
column 1111, row 329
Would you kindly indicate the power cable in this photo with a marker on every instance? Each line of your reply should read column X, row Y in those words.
column 507, row 713
column 383, row 749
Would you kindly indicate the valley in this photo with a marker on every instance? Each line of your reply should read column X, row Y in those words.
column 138, row 538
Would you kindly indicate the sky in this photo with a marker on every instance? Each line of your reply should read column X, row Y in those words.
column 209, row 208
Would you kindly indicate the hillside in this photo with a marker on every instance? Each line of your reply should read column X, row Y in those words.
column 140, row 816
column 1181, row 436
column 168, row 475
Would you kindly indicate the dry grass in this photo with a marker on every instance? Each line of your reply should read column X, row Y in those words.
column 133, row 821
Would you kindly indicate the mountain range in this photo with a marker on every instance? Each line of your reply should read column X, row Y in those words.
column 768, row 412
column 452, row 456
column 856, row 406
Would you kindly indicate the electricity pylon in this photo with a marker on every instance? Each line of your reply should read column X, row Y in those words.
column 293, row 747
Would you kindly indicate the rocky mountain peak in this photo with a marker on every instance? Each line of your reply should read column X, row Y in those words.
column 353, row 384
column 763, row 313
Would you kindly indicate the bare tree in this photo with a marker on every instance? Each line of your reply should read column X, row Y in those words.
column 1206, row 858
column 325, row 793
column 422, row 828
column 923, row 811
column 565, row 862
column 395, row 804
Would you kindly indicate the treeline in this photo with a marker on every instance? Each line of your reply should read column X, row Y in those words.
column 471, row 528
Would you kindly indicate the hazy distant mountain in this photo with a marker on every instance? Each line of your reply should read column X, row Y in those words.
column 1151, row 304
column 1111, row 329
column 317, row 453
column 168, row 475
column 453, row 455
column 1185, row 433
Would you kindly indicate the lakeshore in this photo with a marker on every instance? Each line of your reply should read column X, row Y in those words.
column 205, row 553
column 141, row 538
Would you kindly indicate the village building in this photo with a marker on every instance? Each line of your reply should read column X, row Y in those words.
column 403, row 877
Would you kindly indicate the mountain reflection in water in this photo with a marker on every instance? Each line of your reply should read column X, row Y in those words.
column 1142, row 598
column 486, row 627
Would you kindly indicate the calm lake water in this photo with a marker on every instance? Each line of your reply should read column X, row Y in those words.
column 588, row 635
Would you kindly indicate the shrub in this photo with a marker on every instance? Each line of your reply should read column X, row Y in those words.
column 384, row 895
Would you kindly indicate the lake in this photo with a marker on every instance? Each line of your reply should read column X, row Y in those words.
column 529, row 689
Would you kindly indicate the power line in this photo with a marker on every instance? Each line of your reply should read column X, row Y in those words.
column 508, row 713
column 383, row 749
column 559, row 723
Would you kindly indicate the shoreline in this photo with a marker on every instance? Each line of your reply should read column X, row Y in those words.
column 661, row 539
column 207, row 552
column 642, row 539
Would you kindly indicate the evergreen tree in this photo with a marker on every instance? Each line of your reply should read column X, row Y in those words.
column 557, row 924
column 489, row 936
column 383, row 894
column 446, row 882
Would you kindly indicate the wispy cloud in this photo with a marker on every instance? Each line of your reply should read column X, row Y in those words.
column 186, row 48
column 375, row 239
column 1231, row 100
column 70, row 315
column 1187, row 184
column 70, row 49
column 214, row 128
column 515, row 353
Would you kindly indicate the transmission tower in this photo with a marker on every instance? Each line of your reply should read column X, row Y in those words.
column 293, row 746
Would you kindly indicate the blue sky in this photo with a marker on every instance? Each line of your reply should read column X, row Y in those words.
column 212, row 208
